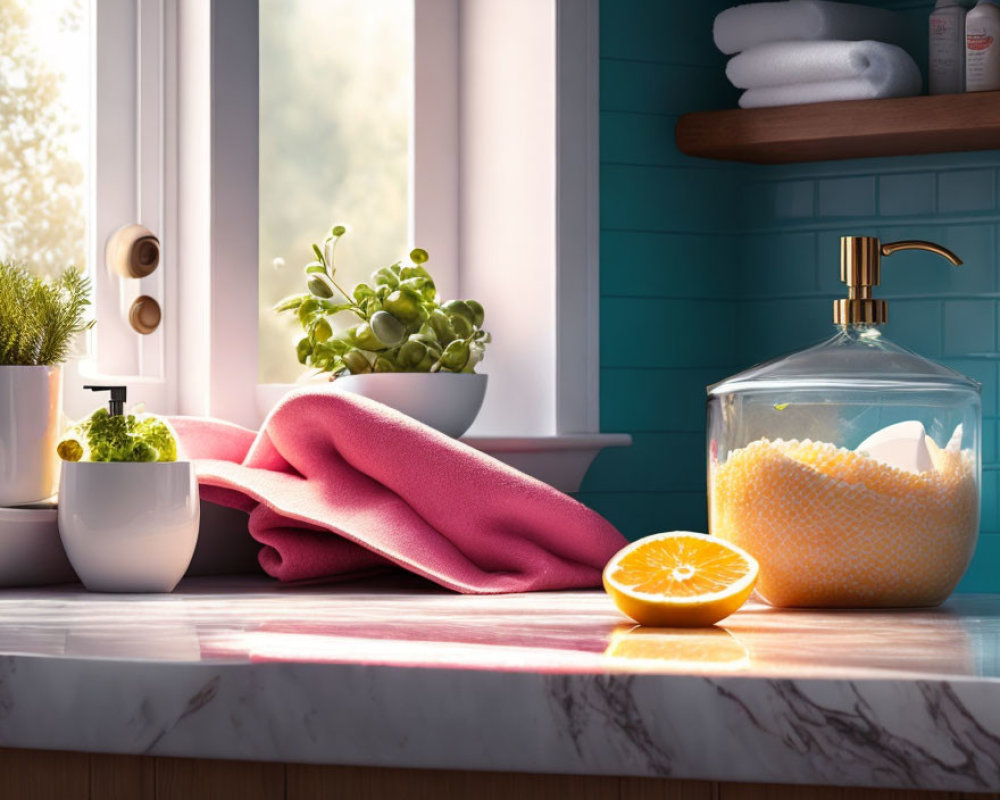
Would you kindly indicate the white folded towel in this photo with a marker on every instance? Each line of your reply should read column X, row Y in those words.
column 884, row 67
column 752, row 24
column 824, row 92
column 790, row 73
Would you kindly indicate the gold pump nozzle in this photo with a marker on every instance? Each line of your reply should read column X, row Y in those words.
column 861, row 269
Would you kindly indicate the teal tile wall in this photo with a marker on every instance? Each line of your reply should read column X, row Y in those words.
column 668, row 262
column 708, row 267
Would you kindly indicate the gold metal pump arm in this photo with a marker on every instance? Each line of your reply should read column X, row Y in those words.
column 917, row 244
column 861, row 269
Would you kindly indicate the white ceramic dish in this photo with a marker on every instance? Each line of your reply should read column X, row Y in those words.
column 31, row 553
column 129, row 527
column 446, row 401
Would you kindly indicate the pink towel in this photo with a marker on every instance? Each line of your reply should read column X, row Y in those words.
column 339, row 486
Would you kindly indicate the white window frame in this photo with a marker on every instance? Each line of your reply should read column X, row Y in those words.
column 542, row 412
column 131, row 161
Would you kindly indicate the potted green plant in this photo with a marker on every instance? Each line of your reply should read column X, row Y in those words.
column 39, row 320
column 128, row 507
column 406, row 348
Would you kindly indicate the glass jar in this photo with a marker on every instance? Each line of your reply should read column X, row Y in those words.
column 850, row 470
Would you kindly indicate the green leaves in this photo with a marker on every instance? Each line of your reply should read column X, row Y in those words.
column 319, row 287
column 402, row 325
column 40, row 318
column 130, row 438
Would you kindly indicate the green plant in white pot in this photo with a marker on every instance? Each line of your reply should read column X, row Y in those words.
column 405, row 348
column 39, row 321
column 128, row 508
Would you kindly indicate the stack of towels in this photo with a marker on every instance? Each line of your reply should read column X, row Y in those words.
column 814, row 51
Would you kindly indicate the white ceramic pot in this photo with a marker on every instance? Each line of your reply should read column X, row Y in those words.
column 129, row 527
column 30, row 402
column 447, row 401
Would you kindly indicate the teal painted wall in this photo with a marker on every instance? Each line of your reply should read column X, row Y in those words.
column 709, row 267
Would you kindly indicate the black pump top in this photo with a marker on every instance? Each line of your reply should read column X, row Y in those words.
column 116, row 406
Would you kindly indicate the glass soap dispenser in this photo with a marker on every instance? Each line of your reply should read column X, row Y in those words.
column 851, row 469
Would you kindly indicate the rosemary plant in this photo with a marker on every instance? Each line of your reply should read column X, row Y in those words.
column 40, row 317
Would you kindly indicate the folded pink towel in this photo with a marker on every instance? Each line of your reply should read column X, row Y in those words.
column 339, row 486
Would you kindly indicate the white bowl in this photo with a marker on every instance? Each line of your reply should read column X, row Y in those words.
column 129, row 527
column 446, row 401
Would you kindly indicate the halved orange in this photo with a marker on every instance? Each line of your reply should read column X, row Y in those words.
column 680, row 579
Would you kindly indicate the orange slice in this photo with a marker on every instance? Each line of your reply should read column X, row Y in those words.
column 680, row 579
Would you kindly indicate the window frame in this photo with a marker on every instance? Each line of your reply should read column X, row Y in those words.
column 218, row 167
column 133, row 97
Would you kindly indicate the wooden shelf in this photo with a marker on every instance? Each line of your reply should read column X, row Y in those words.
column 852, row 129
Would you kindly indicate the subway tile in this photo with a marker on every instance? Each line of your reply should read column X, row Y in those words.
column 917, row 272
column 770, row 328
column 646, row 139
column 794, row 199
column 982, row 573
column 655, row 462
column 766, row 203
column 663, row 88
column 847, row 197
column 654, row 30
column 969, row 327
column 914, row 272
column 666, row 199
column 638, row 514
column 990, row 519
column 656, row 399
column 976, row 246
column 777, row 264
column 662, row 333
column 986, row 373
column 907, row 194
column 990, row 428
column 645, row 264
column 916, row 324
column 966, row 190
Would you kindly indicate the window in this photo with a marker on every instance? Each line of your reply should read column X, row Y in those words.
column 45, row 133
column 504, row 196
column 335, row 109
column 81, row 154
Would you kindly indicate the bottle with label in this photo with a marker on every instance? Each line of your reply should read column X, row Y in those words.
column 947, row 48
column 982, row 47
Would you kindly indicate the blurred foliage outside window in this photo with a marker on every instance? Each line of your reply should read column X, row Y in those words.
column 44, row 132
column 336, row 85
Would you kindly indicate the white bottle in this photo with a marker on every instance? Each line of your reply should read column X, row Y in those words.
column 982, row 48
column 947, row 48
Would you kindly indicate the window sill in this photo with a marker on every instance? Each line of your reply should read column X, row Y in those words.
column 560, row 461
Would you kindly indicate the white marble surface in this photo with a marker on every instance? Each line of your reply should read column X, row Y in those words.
column 396, row 674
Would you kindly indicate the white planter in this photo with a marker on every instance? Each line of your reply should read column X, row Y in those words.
column 129, row 527
column 447, row 401
column 30, row 404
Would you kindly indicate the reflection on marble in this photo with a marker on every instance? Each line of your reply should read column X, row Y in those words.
column 400, row 674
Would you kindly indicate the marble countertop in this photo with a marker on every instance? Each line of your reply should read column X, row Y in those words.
column 394, row 673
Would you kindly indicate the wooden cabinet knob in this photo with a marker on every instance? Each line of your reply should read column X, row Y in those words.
column 144, row 316
column 133, row 252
